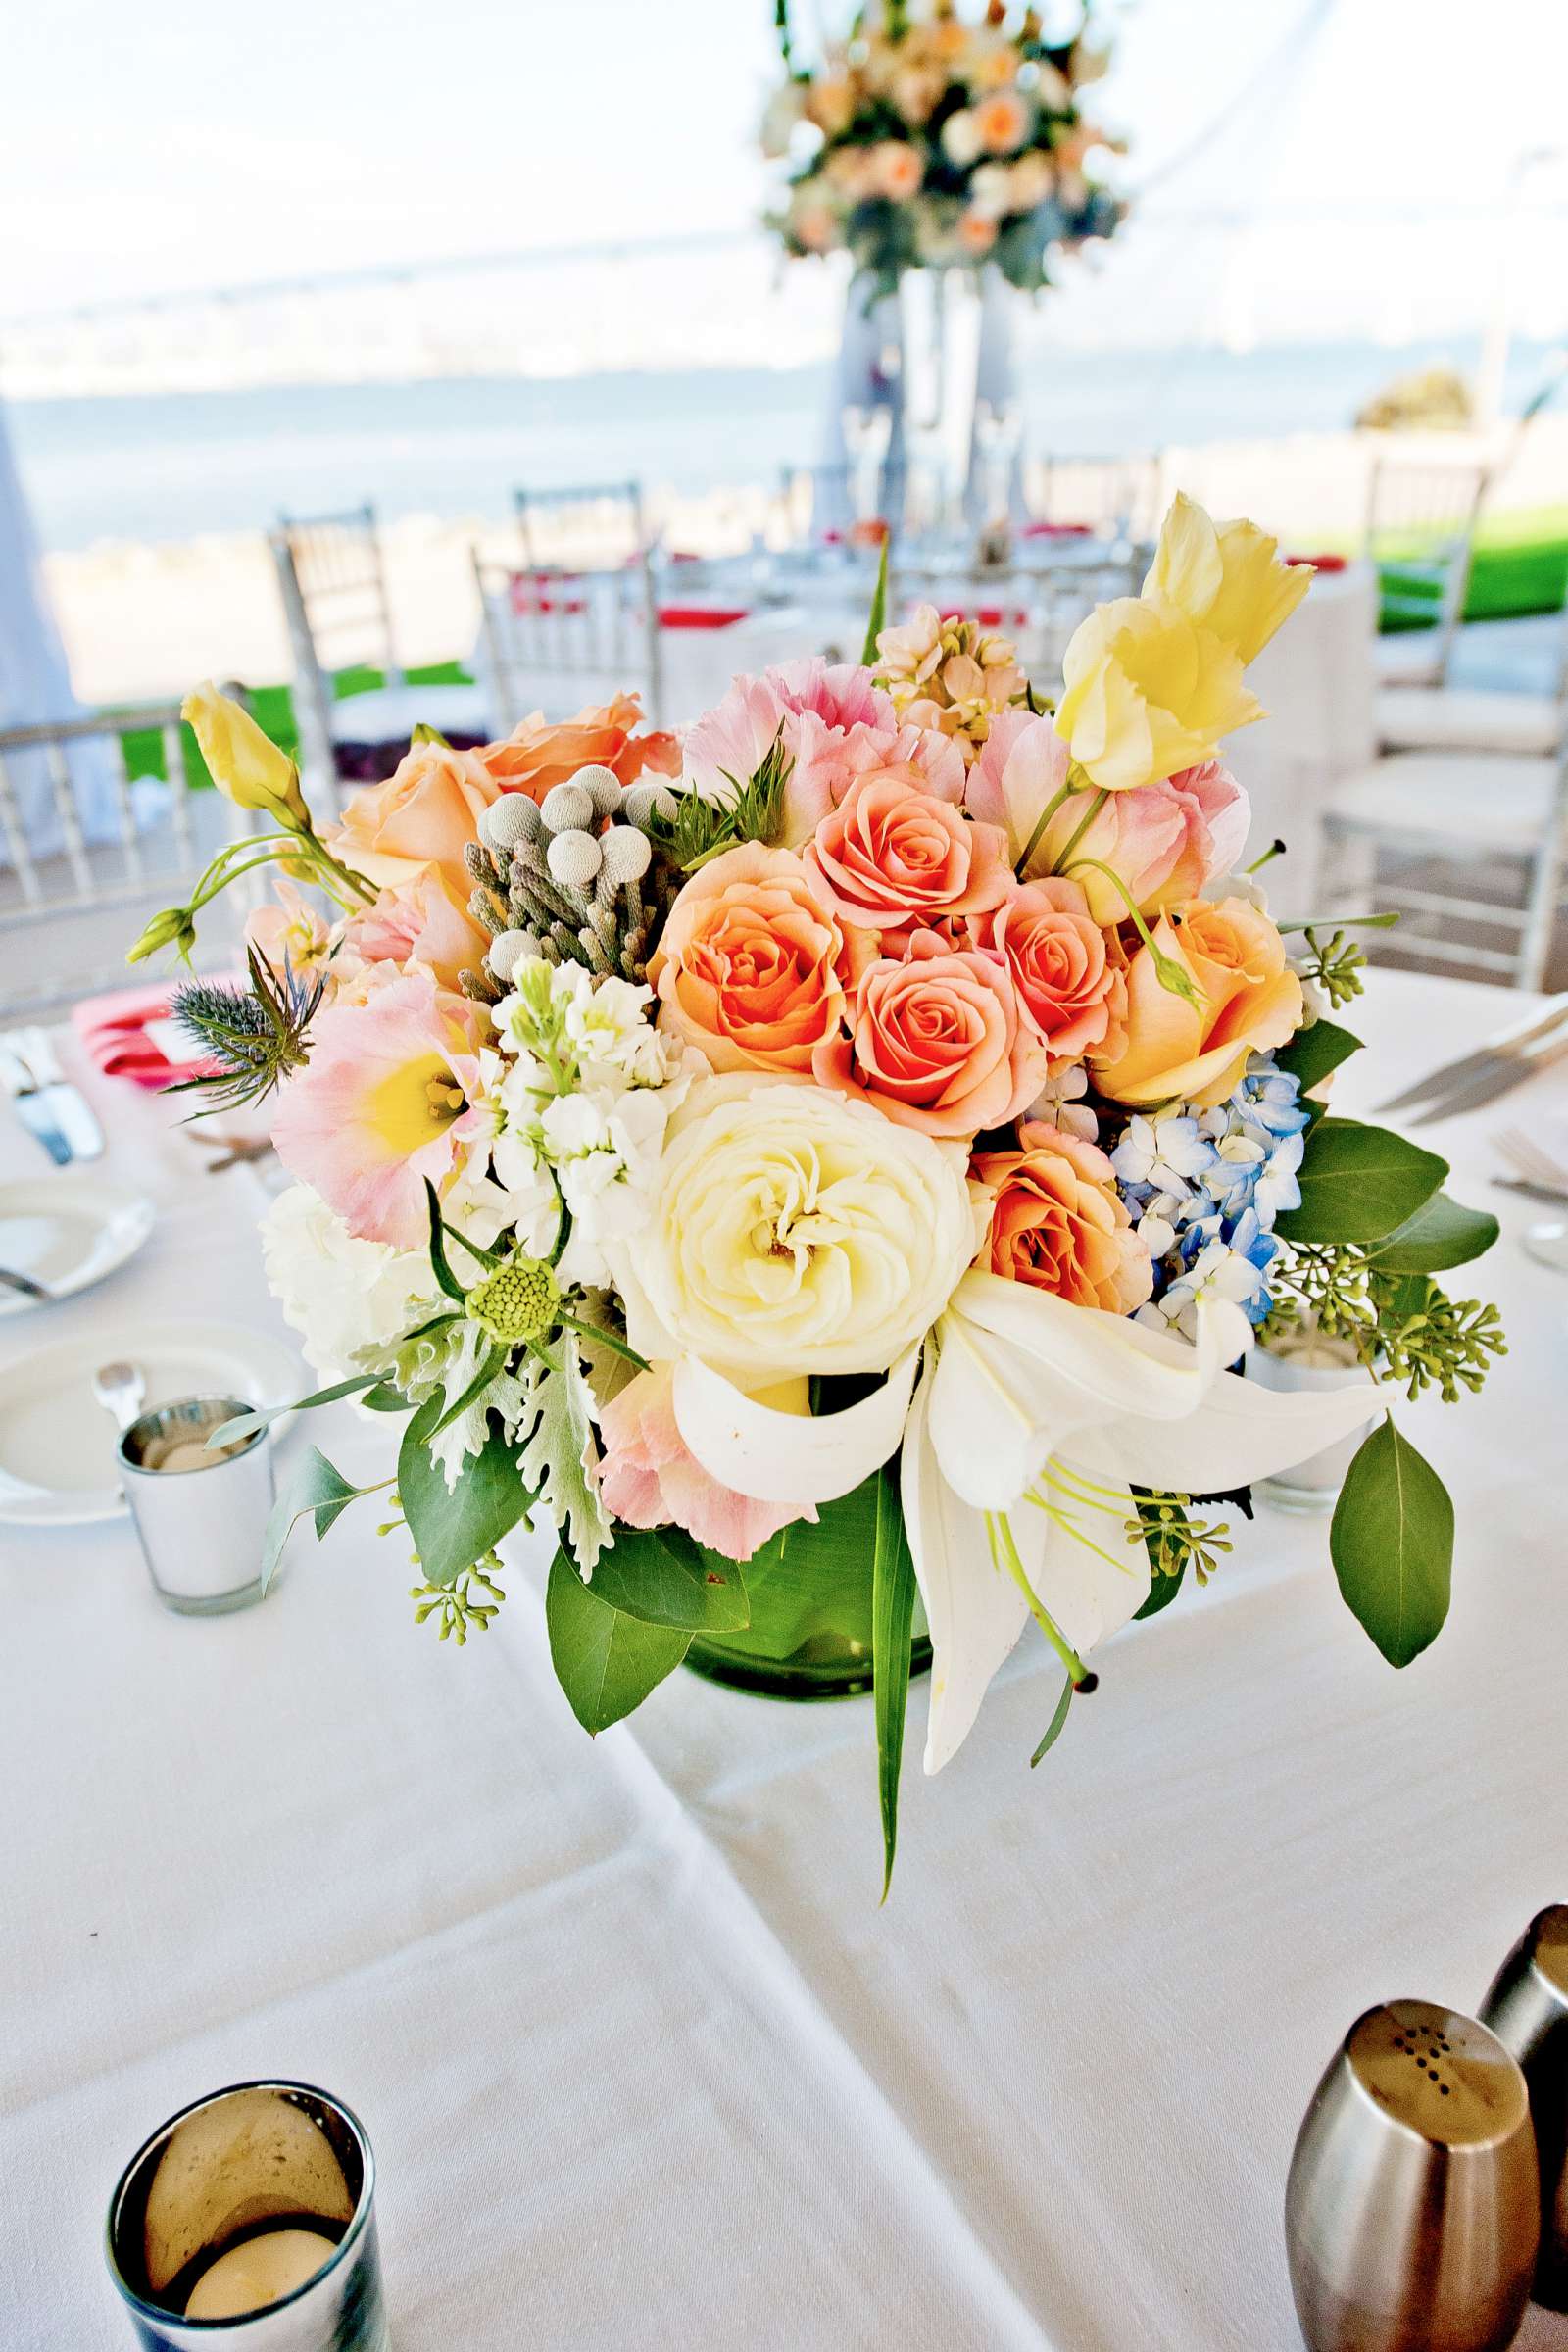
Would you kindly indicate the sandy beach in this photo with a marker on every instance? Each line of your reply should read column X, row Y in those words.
column 140, row 620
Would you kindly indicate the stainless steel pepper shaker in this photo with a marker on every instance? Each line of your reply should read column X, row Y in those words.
column 1526, row 2009
column 1412, row 2215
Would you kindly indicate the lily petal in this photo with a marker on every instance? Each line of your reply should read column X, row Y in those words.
column 1021, row 1372
column 1095, row 1580
column 1240, row 1432
column 788, row 1457
column 974, row 1609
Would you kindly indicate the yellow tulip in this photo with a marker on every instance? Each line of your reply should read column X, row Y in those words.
column 1226, row 577
column 1147, row 693
column 246, row 765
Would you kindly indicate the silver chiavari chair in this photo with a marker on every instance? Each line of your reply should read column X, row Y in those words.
column 590, row 528
column 1420, row 532
column 1109, row 499
column 78, row 861
column 555, row 639
column 331, row 575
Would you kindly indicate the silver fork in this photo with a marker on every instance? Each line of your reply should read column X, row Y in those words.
column 1525, row 1154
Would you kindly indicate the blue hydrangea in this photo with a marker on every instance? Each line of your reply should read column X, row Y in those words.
column 1203, row 1189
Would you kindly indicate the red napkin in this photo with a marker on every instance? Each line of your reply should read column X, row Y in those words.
column 701, row 617
column 1320, row 563
column 530, row 594
column 1056, row 530
column 113, row 1030
column 990, row 617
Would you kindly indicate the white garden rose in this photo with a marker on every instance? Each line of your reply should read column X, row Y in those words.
column 793, row 1231
column 338, row 1292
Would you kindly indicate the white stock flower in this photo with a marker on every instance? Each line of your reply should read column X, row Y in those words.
column 792, row 1231
column 339, row 1292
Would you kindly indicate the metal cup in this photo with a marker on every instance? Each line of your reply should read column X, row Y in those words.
column 225, row 2173
column 200, row 1518
column 1526, row 2009
column 1412, row 2215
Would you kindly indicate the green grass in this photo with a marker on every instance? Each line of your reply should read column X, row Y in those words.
column 272, row 708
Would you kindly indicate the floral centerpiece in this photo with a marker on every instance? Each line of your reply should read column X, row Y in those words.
column 830, row 1168
column 925, row 140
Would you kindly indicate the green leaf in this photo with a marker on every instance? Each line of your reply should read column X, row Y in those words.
column 878, row 620
column 438, row 1249
column 659, row 1575
column 1312, row 1053
column 1163, row 1591
column 1391, row 1543
column 493, row 1363
column 892, row 1615
column 1442, row 1233
column 606, row 1663
column 1058, row 1723
column 452, row 1531
column 242, row 1424
column 385, row 1398
column 1358, row 1184
column 314, row 1486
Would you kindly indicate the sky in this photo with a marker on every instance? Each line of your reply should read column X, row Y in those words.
column 163, row 147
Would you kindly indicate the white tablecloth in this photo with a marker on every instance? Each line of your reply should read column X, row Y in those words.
column 643, row 2062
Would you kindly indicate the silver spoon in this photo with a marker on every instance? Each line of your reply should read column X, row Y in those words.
column 122, row 1390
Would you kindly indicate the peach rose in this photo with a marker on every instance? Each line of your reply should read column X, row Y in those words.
column 419, row 923
column 898, row 168
column 1069, row 984
column 893, row 856
column 1058, row 1224
column 747, row 966
column 421, row 820
column 1161, row 842
column 936, row 1042
column 1002, row 121
column 1248, row 999
column 537, row 755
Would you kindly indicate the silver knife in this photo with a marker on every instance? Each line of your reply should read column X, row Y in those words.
column 1496, row 1055
column 57, row 1112
column 23, row 1283
column 40, row 1121
column 1514, row 1069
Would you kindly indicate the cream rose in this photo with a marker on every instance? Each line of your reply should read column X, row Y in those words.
column 795, row 1232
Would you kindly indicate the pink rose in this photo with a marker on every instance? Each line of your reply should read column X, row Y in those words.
column 1162, row 841
column 419, row 923
column 892, row 858
column 1070, row 987
column 937, row 1042
column 647, row 1478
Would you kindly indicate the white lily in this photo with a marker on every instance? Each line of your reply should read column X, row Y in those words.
column 1031, row 1420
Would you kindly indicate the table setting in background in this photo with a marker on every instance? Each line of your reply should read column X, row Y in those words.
column 649, row 2037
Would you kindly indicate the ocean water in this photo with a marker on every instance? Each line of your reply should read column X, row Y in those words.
column 175, row 466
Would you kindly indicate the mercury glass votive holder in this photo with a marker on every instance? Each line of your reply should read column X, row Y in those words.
column 248, row 2222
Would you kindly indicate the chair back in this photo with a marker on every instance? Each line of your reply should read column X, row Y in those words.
column 1114, row 499
column 590, row 527
column 1420, row 533
column 553, row 639
column 1038, row 610
column 332, row 580
column 89, row 832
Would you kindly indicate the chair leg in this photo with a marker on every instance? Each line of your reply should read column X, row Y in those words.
column 1544, row 894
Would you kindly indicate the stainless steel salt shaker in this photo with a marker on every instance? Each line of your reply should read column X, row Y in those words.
column 1526, row 2009
column 1412, row 2215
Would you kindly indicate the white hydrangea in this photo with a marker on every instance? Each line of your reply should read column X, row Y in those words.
column 339, row 1292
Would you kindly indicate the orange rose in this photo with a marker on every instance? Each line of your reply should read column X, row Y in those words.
column 1070, row 988
column 747, row 969
column 536, row 754
column 936, row 1042
column 1058, row 1223
column 420, row 819
column 1248, row 999
column 1001, row 123
column 892, row 857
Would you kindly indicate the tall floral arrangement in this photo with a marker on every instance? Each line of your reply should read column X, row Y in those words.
column 929, row 140
column 875, row 1124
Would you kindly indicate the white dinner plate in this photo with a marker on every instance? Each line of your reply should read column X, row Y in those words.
column 57, row 1443
column 66, row 1232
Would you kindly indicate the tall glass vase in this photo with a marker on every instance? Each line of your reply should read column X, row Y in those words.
column 810, row 1595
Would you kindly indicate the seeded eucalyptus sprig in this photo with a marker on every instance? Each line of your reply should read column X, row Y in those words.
column 1174, row 1540
column 1403, row 1326
column 257, row 1034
